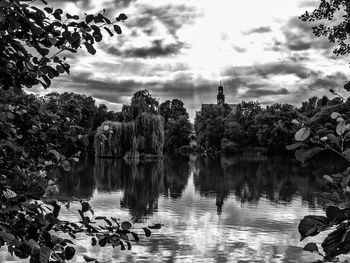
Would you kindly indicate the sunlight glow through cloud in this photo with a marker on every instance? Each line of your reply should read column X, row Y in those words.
column 182, row 49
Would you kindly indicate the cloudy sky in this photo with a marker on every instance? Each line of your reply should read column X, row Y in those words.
column 183, row 48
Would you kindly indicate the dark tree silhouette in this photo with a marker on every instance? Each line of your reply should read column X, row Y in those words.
column 33, row 40
column 333, row 22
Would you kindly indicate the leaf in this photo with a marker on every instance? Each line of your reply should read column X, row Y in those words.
column 341, row 128
column 89, row 18
column 333, row 244
column 117, row 29
column 59, row 11
column 347, row 86
column 108, row 221
column 56, row 154
column 339, row 119
column 335, row 115
column 135, row 236
column 60, row 69
column 311, row 225
column 334, row 139
column 53, row 40
column 8, row 237
column 302, row 134
column 304, row 155
column 328, row 178
column 122, row 246
column 89, row 259
column 346, row 153
column 45, row 254
column 9, row 194
column 122, row 17
column 90, row 48
column 311, row 247
column 126, row 225
column 335, row 215
column 296, row 122
column 295, row 146
column 100, row 217
column 109, row 31
column 32, row 244
column 93, row 242
column 69, row 252
column 147, row 232
column 65, row 165
column 155, row 226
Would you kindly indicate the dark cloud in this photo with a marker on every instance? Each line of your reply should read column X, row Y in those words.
column 257, row 93
column 327, row 82
column 310, row 3
column 83, row 4
column 273, row 68
column 240, row 49
column 259, row 30
column 157, row 49
column 192, row 91
column 299, row 45
column 173, row 17
column 123, row 3
column 299, row 37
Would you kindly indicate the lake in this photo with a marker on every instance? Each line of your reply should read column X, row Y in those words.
column 212, row 208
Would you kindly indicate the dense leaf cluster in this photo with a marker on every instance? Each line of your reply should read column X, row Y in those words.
column 32, row 40
column 333, row 22
column 270, row 129
column 177, row 127
column 310, row 143
column 37, row 136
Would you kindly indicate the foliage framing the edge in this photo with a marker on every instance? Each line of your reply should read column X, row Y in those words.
column 32, row 40
column 337, row 217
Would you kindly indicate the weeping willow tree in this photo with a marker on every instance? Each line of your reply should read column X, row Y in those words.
column 141, row 138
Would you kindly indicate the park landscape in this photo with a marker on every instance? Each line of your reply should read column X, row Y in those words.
column 124, row 170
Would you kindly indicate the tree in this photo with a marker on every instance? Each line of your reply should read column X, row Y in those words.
column 33, row 39
column 210, row 126
column 142, row 101
column 177, row 125
column 245, row 116
column 275, row 127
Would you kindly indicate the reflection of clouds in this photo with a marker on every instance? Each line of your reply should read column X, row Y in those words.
column 261, row 229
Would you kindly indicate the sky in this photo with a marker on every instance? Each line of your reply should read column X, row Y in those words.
column 259, row 50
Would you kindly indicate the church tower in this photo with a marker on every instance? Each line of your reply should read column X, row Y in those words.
column 221, row 96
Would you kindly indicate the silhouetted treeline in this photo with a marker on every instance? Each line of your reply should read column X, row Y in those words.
column 270, row 128
column 81, row 111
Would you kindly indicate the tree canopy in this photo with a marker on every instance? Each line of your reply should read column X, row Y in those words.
column 33, row 40
column 333, row 22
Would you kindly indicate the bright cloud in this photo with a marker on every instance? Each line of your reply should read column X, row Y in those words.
column 183, row 48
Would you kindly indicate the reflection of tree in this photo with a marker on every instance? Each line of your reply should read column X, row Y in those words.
column 141, row 196
column 211, row 180
column 176, row 175
column 141, row 183
column 253, row 177
column 79, row 182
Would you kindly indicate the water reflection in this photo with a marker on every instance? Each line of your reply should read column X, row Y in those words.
column 249, row 178
column 214, row 208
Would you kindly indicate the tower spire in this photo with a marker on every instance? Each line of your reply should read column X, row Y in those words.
column 220, row 97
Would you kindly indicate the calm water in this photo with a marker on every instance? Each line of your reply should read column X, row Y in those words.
column 214, row 209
